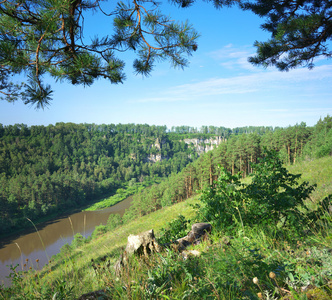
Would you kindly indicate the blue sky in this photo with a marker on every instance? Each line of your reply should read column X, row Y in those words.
column 218, row 88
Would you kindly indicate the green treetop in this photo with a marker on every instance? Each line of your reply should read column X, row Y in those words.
column 46, row 36
column 39, row 37
column 300, row 31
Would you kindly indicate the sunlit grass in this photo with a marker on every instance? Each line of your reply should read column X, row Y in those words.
column 75, row 266
column 317, row 172
column 121, row 194
column 224, row 270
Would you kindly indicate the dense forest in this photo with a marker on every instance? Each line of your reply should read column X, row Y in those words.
column 294, row 143
column 54, row 168
column 48, row 169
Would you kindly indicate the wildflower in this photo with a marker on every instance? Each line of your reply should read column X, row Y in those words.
column 272, row 275
column 260, row 295
column 37, row 260
column 255, row 280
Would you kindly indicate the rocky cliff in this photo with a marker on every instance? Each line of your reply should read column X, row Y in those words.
column 204, row 145
column 199, row 145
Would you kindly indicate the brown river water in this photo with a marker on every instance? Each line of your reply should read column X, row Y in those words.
column 51, row 236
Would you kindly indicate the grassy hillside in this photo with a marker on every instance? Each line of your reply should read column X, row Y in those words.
column 254, row 265
column 317, row 172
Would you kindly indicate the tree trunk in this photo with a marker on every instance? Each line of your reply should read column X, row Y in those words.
column 295, row 150
column 211, row 179
column 288, row 151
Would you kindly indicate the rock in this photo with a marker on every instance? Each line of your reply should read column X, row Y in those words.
column 188, row 253
column 145, row 243
column 140, row 244
column 198, row 232
column 201, row 145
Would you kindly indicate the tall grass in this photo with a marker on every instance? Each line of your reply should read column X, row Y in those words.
column 283, row 267
column 74, row 265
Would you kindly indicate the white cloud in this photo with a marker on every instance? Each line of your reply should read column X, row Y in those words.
column 260, row 82
column 232, row 57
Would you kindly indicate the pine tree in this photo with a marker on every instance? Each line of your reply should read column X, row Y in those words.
column 300, row 31
column 47, row 37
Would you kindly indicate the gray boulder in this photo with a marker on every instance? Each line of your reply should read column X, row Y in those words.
column 141, row 244
column 145, row 243
column 198, row 232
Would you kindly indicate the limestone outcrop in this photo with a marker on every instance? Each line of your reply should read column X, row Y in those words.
column 204, row 145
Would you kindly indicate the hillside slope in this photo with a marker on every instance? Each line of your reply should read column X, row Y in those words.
column 223, row 271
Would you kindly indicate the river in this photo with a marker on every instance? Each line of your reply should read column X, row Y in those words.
column 51, row 236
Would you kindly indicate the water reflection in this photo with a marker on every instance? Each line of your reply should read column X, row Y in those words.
column 52, row 236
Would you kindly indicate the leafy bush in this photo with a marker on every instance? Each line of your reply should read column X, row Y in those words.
column 322, row 216
column 99, row 230
column 78, row 241
column 273, row 198
column 114, row 221
column 221, row 202
column 176, row 229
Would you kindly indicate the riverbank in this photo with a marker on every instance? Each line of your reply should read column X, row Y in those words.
column 37, row 240
column 101, row 203
column 121, row 194
column 47, row 241
column 37, row 222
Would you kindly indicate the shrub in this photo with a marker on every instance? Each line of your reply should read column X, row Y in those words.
column 78, row 241
column 114, row 221
column 221, row 202
column 99, row 230
column 273, row 198
column 175, row 229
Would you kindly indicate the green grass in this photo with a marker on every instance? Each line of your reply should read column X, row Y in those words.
column 121, row 194
column 112, row 200
column 75, row 267
column 317, row 172
column 222, row 271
